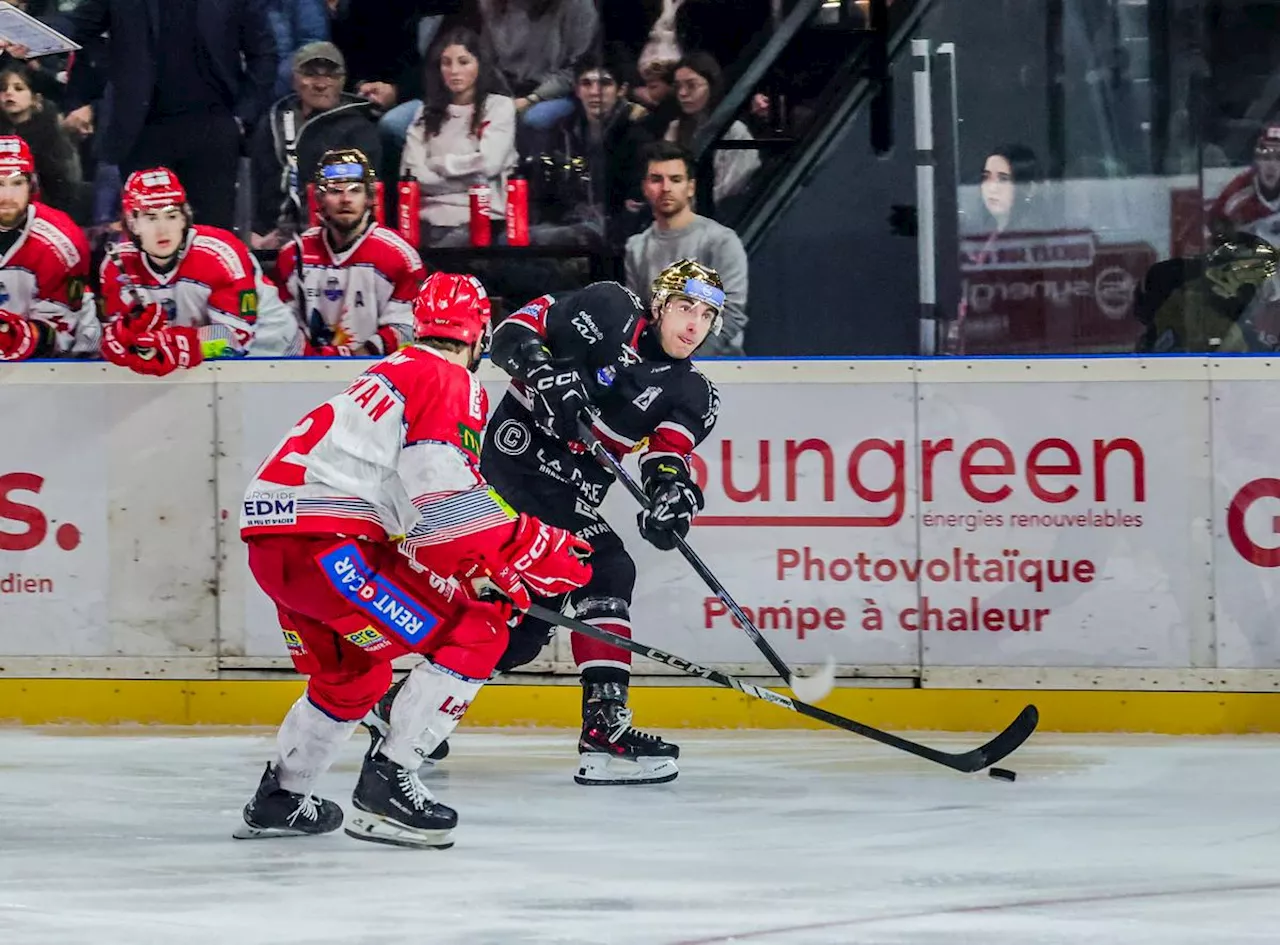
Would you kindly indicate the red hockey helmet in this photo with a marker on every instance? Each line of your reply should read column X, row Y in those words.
column 152, row 189
column 451, row 306
column 1268, row 143
column 15, row 157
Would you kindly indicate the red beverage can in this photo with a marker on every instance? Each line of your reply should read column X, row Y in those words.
column 517, row 212
column 481, row 224
column 410, row 206
column 379, row 203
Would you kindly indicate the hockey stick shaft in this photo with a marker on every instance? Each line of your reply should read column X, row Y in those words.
column 139, row 303
column 614, row 465
column 975, row 760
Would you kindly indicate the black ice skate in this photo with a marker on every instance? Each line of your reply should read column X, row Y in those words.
column 393, row 806
column 378, row 721
column 610, row 751
column 275, row 812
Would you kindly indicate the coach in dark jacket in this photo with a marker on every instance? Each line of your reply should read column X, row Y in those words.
column 188, row 77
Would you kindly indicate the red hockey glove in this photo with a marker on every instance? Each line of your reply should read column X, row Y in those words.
column 139, row 320
column 549, row 560
column 19, row 337
column 114, row 347
column 162, row 352
column 539, row 559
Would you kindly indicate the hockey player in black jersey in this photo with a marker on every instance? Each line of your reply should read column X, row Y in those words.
column 596, row 349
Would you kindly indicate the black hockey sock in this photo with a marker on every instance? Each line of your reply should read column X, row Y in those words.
column 604, row 683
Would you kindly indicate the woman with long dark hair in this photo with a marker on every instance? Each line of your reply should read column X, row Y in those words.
column 699, row 89
column 462, row 135
column 1010, row 185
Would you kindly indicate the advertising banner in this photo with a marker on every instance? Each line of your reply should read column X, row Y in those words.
column 899, row 516
column 53, row 521
column 1246, row 500
column 1047, row 530
column 799, row 479
column 107, row 539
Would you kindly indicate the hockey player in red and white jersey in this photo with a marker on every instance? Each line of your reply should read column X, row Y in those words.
column 353, row 292
column 177, row 292
column 45, row 309
column 372, row 530
column 1251, row 202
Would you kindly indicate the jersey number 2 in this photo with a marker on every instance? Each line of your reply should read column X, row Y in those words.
column 279, row 467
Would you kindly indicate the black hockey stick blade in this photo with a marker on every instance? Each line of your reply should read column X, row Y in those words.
column 976, row 759
column 1003, row 745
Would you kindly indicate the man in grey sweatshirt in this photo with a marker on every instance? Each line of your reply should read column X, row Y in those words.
column 679, row 233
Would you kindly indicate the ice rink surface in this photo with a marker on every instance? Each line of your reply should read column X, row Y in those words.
column 771, row 838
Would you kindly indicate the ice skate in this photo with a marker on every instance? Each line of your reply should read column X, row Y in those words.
column 610, row 751
column 394, row 807
column 378, row 721
column 275, row 812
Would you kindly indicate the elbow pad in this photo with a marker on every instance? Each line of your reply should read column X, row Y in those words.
column 521, row 358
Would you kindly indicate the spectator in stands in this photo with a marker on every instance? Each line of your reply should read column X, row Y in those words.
column 537, row 43
column 385, row 41
column 657, row 93
column 591, row 162
column 188, row 77
column 316, row 118
column 463, row 134
column 678, row 233
column 23, row 112
column 699, row 88
column 1010, row 186
column 294, row 24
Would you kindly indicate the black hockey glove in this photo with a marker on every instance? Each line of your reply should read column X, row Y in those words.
column 673, row 502
column 559, row 399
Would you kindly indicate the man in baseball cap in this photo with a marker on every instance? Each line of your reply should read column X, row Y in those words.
column 320, row 56
column 318, row 117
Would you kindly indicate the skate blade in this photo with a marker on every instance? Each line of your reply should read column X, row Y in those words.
column 381, row 830
column 247, row 832
column 597, row 769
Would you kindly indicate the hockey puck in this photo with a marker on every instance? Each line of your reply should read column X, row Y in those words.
column 1004, row 774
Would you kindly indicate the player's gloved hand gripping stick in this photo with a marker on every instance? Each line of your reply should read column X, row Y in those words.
column 808, row 688
column 1004, row 744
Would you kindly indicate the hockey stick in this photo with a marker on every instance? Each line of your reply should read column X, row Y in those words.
column 1004, row 744
column 813, row 688
column 139, row 303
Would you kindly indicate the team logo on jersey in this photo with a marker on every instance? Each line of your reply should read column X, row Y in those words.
column 170, row 307
column 332, row 289
column 366, row 639
column 469, row 439
column 249, row 304
column 4, row 293
column 587, row 328
column 375, row 595
column 293, row 641
column 512, row 438
column 647, row 397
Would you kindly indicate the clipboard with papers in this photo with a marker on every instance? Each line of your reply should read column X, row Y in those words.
column 19, row 28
